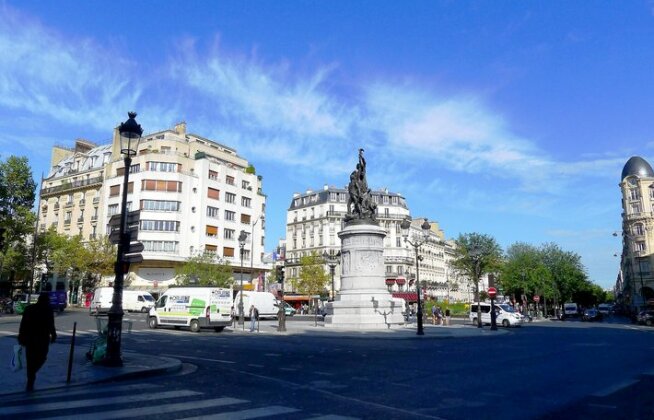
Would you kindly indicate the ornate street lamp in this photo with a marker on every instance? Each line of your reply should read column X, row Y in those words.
column 241, row 243
column 263, row 219
column 416, row 243
column 130, row 136
column 332, row 261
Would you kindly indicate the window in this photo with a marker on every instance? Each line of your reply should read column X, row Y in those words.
column 212, row 231
column 162, row 166
column 246, row 254
column 245, row 185
column 160, row 246
column 635, row 208
column 130, row 187
column 160, row 205
column 211, row 249
column 213, row 193
column 398, row 242
column 159, row 185
column 212, row 212
column 230, row 215
column 67, row 216
column 394, row 200
column 213, row 175
column 113, row 209
column 230, row 198
column 639, row 246
column 229, row 233
column 160, row 225
column 245, row 218
column 114, row 190
column 69, row 200
column 634, row 194
column 389, row 268
column 385, row 199
column 246, row 202
column 229, row 180
column 639, row 229
column 228, row 252
column 132, row 170
column 387, row 212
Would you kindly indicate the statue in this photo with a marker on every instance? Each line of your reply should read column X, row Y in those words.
column 360, row 206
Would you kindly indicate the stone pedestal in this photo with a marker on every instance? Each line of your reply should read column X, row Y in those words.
column 364, row 302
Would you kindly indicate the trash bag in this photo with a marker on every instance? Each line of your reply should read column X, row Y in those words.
column 17, row 358
column 100, row 351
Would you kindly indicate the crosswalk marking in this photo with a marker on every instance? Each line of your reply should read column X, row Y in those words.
column 158, row 409
column 97, row 401
column 251, row 413
column 66, row 393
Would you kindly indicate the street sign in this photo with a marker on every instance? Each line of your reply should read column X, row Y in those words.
column 536, row 298
column 133, row 218
column 492, row 292
column 135, row 248
column 114, row 237
column 133, row 258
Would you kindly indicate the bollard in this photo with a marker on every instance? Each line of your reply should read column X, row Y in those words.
column 71, row 353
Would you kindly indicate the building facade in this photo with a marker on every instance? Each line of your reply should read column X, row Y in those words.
column 195, row 195
column 315, row 218
column 635, row 286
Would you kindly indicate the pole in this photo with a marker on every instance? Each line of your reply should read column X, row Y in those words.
column 282, row 314
column 71, row 353
column 332, row 269
column 493, row 317
column 477, row 275
column 419, row 313
column 241, row 318
column 114, row 328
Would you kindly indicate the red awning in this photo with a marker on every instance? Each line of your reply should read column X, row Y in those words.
column 408, row 296
column 390, row 282
column 400, row 280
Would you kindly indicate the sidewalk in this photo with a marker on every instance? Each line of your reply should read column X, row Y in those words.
column 53, row 374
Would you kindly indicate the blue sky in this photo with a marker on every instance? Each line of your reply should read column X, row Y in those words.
column 511, row 118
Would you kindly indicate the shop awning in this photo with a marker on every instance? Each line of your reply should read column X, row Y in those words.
column 390, row 282
column 400, row 280
column 408, row 296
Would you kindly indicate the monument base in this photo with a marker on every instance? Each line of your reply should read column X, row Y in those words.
column 370, row 311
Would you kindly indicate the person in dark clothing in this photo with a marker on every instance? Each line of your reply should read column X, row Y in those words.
column 37, row 331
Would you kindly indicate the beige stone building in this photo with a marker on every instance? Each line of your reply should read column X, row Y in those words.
column 635, row 286
column 194, row 195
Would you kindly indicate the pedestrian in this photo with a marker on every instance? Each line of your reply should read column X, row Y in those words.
column 447, row 316
column 254, row 317
column 36, row 332
column 439, row 316
column 434, row 309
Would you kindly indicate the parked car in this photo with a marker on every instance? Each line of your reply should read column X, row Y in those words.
column 605, row 308
column 592, row 314
column 646, row 317
column 288, row 309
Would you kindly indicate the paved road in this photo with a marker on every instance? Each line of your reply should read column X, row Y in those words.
column 542, row 370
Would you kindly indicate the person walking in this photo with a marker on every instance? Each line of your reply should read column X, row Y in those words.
column 439, row 316
column 434, row 309
column 447, row 316
column 254, row 317
column 36, row 332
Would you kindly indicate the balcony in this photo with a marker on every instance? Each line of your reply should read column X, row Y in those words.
column 638, row 216
column 68, row 204
column 80, row 220
column 93, row 236
column 67, row 222
column 69, row 186
column 96, row 200
column 56, row 206
column 82, row 202
column 94, row 218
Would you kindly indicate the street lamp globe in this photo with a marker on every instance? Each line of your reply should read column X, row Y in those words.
column 130, row 135
column 405, row 225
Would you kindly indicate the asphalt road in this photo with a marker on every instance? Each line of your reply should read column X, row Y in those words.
column 541, row 370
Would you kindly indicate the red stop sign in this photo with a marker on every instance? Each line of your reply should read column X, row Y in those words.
column 536, row 298
column 492, row 292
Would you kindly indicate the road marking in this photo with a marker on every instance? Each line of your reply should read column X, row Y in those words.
column 158, row 409
column 332, row 417
column 97, row 402
column 272, row 354
column 66, row 393
column 288, row 369
column 323, row 373
column 614, row 388
column 251, row 413
column 256, row 366
column 612, row 407
column 199, row 358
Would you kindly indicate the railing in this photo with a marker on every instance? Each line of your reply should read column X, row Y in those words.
column 71, row 185
column 80, row 220
column 82, row 202
column 96, row 200
column 94, row 218
column 68, row 204
column 56, row 206
column 66, row 222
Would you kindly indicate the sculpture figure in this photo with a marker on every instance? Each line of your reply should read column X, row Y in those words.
column 360, row 206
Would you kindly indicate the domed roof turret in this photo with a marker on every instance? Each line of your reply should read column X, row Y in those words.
column 637, row 166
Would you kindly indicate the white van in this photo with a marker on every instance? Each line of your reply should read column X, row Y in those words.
column 265, row 303
column 137, row 301
column 570, row 310
column 101, row 301
column 193, row 307
column 506, row 315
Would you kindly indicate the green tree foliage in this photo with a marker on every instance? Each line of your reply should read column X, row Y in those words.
column 205, row 269
column 313, row 279
column 17, row 193
column 477, row 254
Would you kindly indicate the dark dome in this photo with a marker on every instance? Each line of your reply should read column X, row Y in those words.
column 637, row 166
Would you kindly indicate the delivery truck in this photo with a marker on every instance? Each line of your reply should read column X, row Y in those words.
column 193, row 307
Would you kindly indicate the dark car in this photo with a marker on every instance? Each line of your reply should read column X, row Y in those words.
column 592, row 314
column 646, row 317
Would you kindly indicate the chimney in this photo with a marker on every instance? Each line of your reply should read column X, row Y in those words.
column 326, row 187
column 180, row 128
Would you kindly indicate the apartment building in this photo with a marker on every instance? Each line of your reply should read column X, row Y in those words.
column 194, row 194
column 315, row 218
column 635, row 284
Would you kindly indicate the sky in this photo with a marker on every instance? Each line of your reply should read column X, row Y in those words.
column 509, row 118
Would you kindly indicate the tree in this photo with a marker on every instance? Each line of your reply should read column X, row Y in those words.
column 205, row 269
column 477, row 254
column 313, row 279
column 100, row 261
column 17, row 193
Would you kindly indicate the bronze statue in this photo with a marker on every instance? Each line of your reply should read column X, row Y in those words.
column 360, row 206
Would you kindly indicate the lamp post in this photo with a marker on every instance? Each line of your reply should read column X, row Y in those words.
column 416, row 243
column 262, row 218
column 130, row 136
column 332, row 261
column 475, row 255
column 241, row 314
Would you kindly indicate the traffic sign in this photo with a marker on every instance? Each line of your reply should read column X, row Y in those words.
column 492, row 292
column 536, row 298
column 133, row 258
column 133, row 218
column 114, row 237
